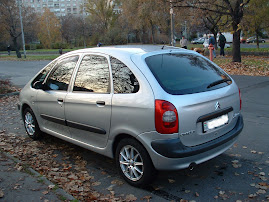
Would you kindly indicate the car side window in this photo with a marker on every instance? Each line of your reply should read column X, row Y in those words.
column 60, row 76
column 42, row 75
column 124, row 80
column 93, row 75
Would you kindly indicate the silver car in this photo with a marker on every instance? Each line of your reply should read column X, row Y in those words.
column 148, row 107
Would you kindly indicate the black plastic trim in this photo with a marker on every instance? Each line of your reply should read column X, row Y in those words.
column 86, row 127
column 53, row 119
column 175, row 149
column 214, row 114
column 73, row 124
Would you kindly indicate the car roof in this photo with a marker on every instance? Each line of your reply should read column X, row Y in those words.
column 127, row 49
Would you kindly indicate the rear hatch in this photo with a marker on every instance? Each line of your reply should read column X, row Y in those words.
column 206, row 98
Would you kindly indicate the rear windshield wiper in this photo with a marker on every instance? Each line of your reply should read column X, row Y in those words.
column 218, row 82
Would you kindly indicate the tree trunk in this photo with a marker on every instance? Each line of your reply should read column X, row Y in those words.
column 257, row 38
column 16, row 47
column 236, row 45
column 152, row 32
column 216, row 44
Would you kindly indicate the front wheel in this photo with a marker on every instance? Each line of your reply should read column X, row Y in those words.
column 134, row 163
column 30, row 124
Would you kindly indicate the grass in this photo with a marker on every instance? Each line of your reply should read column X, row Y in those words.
column 254, row 49
column 28, row 57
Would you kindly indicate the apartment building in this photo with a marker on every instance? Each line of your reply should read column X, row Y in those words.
column 59, row 7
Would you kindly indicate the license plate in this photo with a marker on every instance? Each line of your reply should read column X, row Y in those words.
column 215, row 123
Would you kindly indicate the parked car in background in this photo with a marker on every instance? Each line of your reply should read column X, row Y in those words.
column 243, row 39
column 198, row 40
column 253, row 39
column 149, row 107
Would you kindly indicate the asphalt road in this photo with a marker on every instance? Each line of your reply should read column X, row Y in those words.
column 234, row 175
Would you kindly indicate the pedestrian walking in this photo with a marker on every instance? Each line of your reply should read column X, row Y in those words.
column 8, row 49
column 183, row 42
column 213, row 42
column 60, row 51
column 222, row 42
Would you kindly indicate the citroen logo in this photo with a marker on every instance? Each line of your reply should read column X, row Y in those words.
column 217, row 106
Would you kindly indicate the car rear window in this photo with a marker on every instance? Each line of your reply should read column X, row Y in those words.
column 180, row 74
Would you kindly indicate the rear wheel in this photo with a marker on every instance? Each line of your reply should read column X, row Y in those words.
column 134, row 163
column 30, row 124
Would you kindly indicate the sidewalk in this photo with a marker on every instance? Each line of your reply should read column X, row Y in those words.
column 19, row 183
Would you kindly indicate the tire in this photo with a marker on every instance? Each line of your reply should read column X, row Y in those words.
column 136, row 167
column 30, row 124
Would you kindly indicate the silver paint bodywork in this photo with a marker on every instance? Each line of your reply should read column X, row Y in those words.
column 133, row 114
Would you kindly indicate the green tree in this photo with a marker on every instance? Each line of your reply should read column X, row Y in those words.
column 256, row 18
column 49, row 29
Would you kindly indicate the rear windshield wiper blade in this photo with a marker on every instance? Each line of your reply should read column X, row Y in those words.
column 218, row 82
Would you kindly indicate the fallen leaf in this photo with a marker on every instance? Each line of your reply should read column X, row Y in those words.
column 96, row 183
column 1, row 193
column 51, row 186
column 196, row 194
column 147, row 198
column 253, row 151
column 244, row 147
column 117, row 182
column 171, row 181
column 45, row 192
column 130, row 197
column 252, row 195
column 260, row 191
column 221, row 192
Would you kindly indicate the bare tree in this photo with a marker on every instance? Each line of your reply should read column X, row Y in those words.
column 234, row 9
column 10, row 20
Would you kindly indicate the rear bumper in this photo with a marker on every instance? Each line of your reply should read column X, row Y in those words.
column 173, row 148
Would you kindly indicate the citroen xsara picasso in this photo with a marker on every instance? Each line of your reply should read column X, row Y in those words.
column 149, row 107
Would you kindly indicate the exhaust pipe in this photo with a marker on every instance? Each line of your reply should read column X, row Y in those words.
column 192, row 166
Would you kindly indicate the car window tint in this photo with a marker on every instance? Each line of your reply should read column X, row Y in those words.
column 93, row 75
column 124, row 80
column 42, row 75
column 60, row 76
column 180, row 74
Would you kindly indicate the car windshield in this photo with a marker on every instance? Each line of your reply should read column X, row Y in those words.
column 180, row 74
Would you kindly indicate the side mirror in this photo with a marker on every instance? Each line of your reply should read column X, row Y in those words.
column 39, row 85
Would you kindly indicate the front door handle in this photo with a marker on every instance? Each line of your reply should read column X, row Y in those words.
column 100, row 103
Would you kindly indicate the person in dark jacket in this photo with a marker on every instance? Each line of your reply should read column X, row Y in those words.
column 213, row 42
column 222, row 41
column 8, row 49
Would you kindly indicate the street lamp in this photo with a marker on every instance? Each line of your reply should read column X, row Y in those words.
column 172, row 23
column 22, row 33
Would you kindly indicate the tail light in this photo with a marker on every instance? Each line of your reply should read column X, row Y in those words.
column 240, row 98
column 166, row 117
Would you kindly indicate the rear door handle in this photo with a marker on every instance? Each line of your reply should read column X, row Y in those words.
column 100, row 103
column 60, row 100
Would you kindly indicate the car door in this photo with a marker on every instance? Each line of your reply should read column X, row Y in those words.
column 50, row 102
column 88, row 105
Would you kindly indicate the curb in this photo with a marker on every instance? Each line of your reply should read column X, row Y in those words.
column 9, row 94
column 59, row 191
